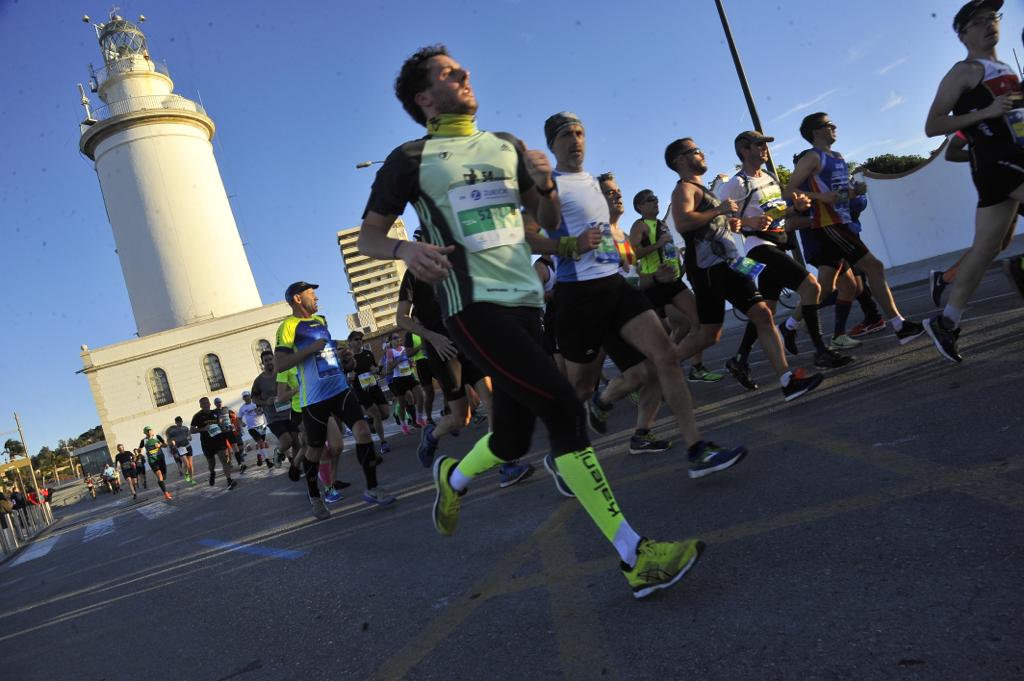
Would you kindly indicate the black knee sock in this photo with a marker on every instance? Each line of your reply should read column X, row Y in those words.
column 163, row 487
column 749, row 336
column 872, row 315
column 813, row 325
column 842, row 314
column 367, row 457
column 310, row 470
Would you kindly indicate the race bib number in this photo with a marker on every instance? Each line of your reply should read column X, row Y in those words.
column 606, row 250
column 404, row 368
column 1015, row 120
column 747, row 267
column 213, row 430
column 182, row 451
column 282, row 406
column 776, row 210
column 327, row 362
column 488, row 214
column 367, row 380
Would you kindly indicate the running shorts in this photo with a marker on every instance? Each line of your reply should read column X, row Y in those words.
column 296, row 419
column 258, row 434
column 780, row 271
column 591, row 315
column 662, row 293
column 127, row 472
column 423, row 372
column 402, row 385
column 835, row 244
column 996, row 179
column 344, row 406
column 279, row 428
column 444, row 372
column 157, row 463
column 369, row 396
column 717, row 284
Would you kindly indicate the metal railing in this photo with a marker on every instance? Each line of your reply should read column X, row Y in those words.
column 22, row 525
column 146, row 103
column 128, row 65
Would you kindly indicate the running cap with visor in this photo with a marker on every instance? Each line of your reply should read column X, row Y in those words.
column 297, row 288
column 146, row 429
column 751, row 137
column 217, row 400
column 246, row 394
column 968, row 11
column 555, row 123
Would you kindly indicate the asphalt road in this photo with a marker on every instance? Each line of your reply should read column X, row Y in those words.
column 873, row 533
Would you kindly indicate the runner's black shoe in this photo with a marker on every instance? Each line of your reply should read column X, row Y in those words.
column 945, row 339
column 830, row 359
column 741, row 372
column 788, row 339
column 937, row 286
column 909, row 331
column 800, row 383
column 647, row 444
column 597, row 418
column 1014, row 268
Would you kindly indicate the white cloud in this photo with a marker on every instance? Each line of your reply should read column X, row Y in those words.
column 784, row 143
column 912, row 142
column 890, row 66
column 856, row 153
column 894, row 100
column 804, row 105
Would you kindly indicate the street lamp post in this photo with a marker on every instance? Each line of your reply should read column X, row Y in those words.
column 754, row 118
column 32, row 470
column 367, row 164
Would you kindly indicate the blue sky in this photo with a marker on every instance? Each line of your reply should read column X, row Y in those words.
column 301, row 92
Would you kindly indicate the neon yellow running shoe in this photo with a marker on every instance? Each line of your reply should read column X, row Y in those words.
column 660, row 564
column 448, row 501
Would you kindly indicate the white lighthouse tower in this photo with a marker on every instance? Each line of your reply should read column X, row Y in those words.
column 180, row 252
column 201, row 325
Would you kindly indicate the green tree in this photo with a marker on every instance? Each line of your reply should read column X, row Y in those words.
column 14, row 448
column 891, row 164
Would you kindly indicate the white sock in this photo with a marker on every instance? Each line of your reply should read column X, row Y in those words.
column 897, row 323
column 458, row 480
column 784, row 380
column 953, row 314
column 625, row 541
column 792, row 324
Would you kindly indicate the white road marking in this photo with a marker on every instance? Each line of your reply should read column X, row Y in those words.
column 151, row 511
column 37, row 550
column 98, row 529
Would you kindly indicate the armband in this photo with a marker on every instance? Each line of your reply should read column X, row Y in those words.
column 394, row 251
column 568, row 248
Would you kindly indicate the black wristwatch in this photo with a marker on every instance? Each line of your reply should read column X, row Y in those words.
column 547, row 192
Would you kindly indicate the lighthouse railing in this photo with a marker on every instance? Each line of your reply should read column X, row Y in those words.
column 146, row 103
column 129, row 65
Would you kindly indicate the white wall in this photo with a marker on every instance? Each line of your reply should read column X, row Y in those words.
column 926, row 213
column 118, row 374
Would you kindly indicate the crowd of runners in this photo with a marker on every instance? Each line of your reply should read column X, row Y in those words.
column 523, row 339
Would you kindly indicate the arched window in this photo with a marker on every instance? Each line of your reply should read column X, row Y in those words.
column 159, row 387
column 258, row 348
column 214, row 374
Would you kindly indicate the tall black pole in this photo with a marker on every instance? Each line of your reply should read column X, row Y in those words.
column 754, row 118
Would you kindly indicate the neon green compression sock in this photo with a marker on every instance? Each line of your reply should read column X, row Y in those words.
column 582, row 473
column 479, row 460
